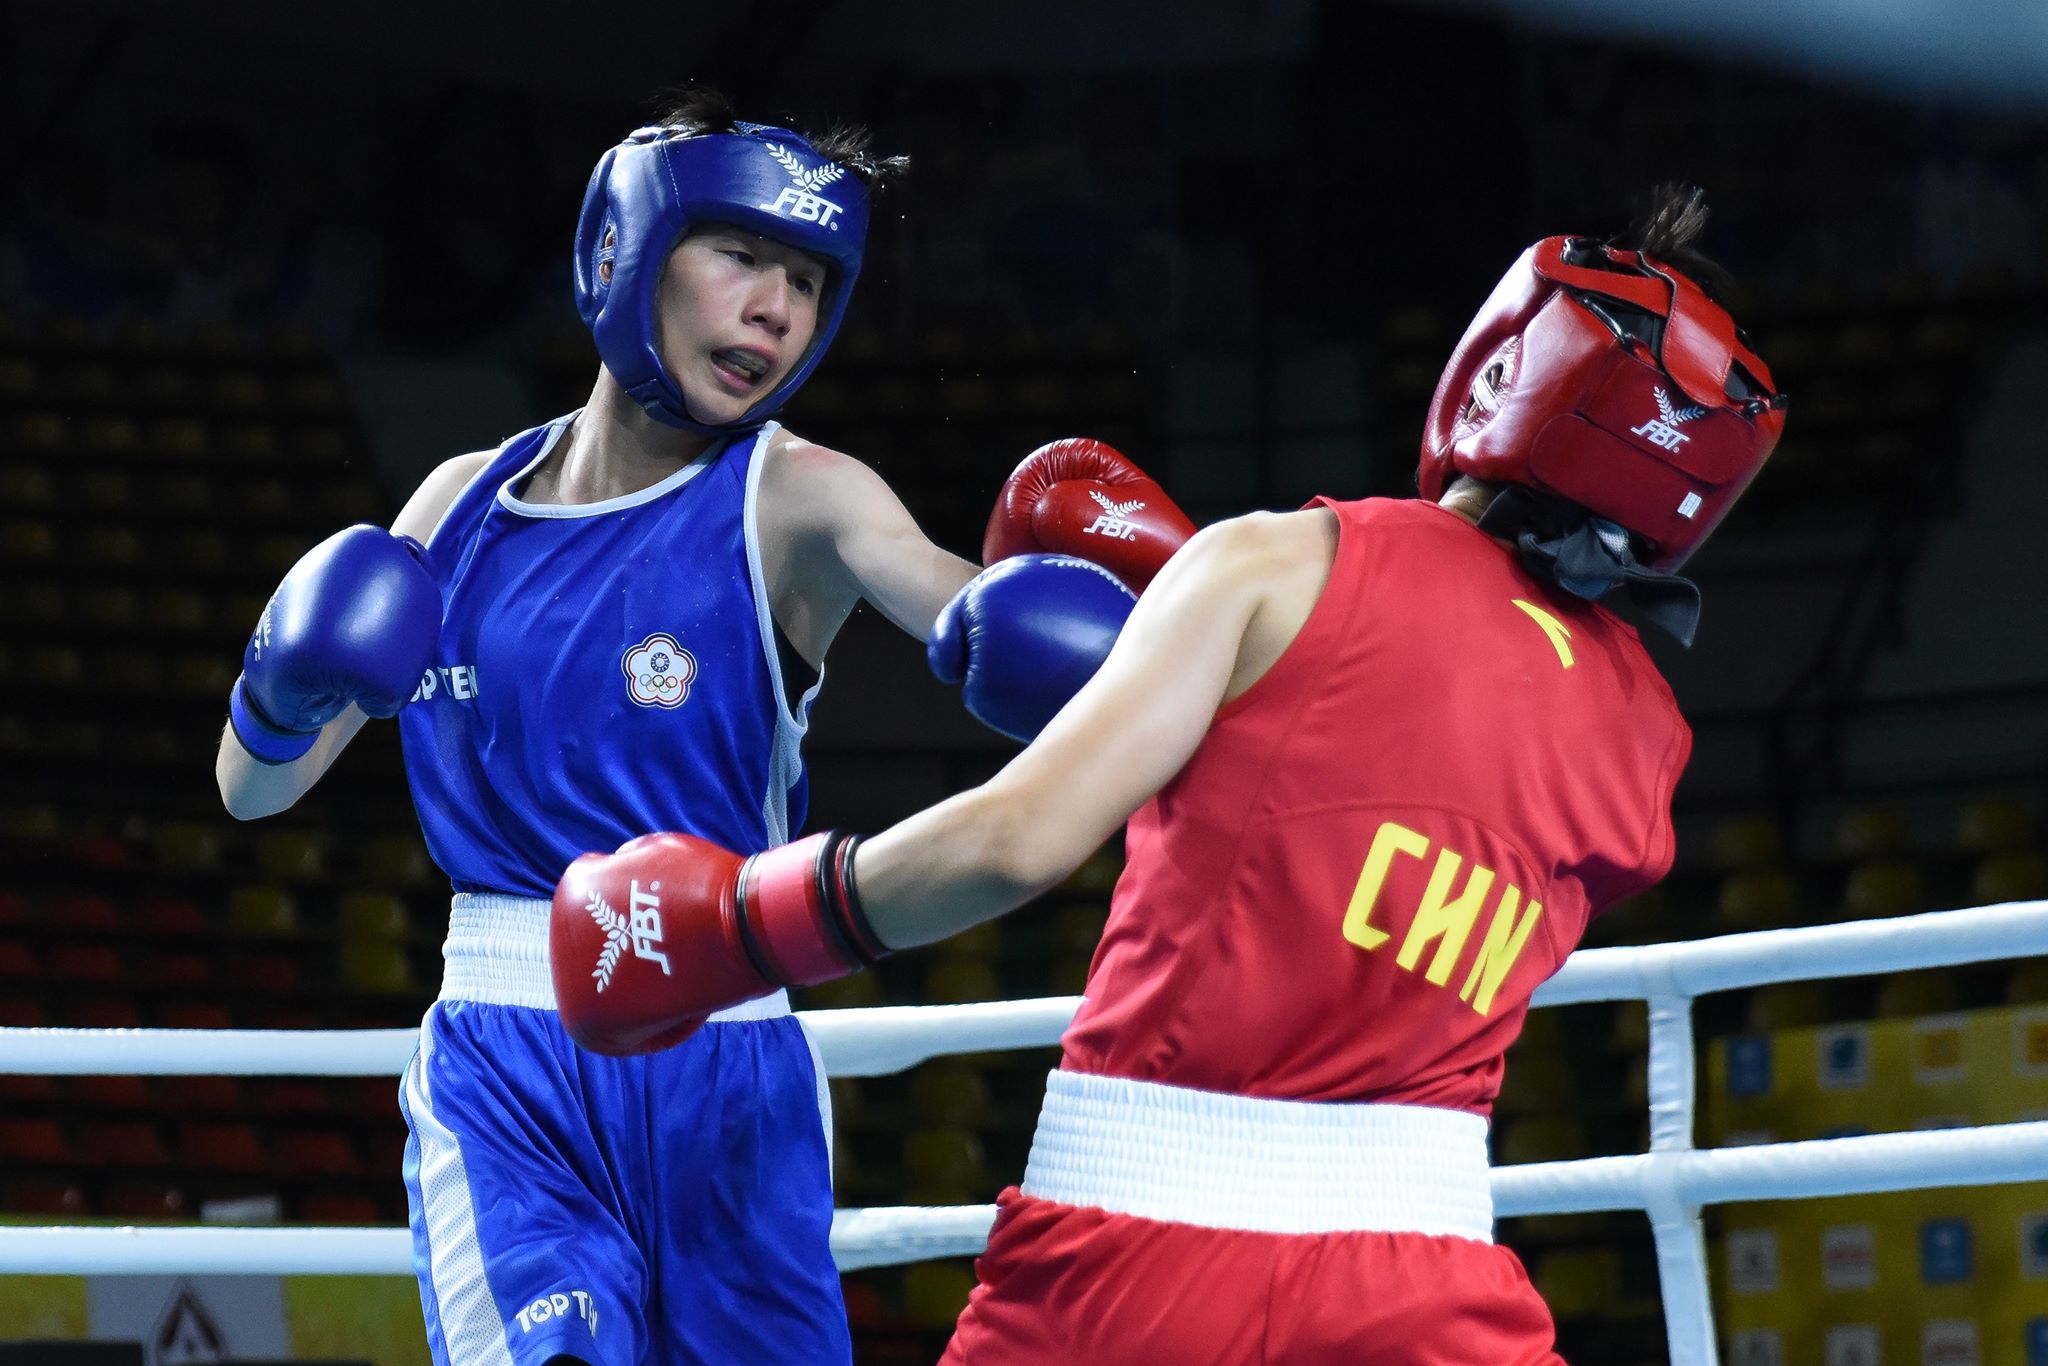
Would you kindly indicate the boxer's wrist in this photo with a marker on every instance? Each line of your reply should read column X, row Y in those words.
column 800, row 919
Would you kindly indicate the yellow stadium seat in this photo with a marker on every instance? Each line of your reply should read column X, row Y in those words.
column 1865, row 833
column 396, row 861
column 1578, row 1282
column 1098, row 874
column 981, row 941
column 107, row 605
column 197, row 551
column 934, row 1293
column 2028, row 984
column 185, row 846
column 208, row 673
column 1876, row 891
column 948, row 1159
column 1747, row 843
column 956, row 979
column 950, row 1093
column 41, row 432
column 112, row 436
column 375, row 966
column 1078, row 929
column 2015, row 875
column 1758, row 899
column 24, row 486
column 1786, row 1005
column 178, row 438
column 176, row 609
column 289, row 855
column 373, row 916
column 847, row 993
column 113, row 546
column 1540, row 1138
column 105, row 490
column 1068, row 976
column 55, row 666
column 1906, row 995
column 262, row 910
column 26, row 540
column 1535, row 1082
column 1993, row 825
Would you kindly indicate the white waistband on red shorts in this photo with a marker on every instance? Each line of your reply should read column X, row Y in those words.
column 497, row 953
column 1267, row 1166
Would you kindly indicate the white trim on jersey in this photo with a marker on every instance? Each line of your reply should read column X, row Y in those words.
column 471, row 1325
column 566, row 511
column 786, row 762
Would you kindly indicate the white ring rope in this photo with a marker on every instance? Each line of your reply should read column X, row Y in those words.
column 1670, row 1182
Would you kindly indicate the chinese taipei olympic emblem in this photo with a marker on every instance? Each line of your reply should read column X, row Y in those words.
column 659, row 671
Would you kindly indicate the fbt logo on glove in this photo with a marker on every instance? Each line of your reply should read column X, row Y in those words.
column 1111, row 521
column 548, row 1308
column 641, row 927
column 659, row 671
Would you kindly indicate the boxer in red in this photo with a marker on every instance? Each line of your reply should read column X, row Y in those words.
column 1382, row 761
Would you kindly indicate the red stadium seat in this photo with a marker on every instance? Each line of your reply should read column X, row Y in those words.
column 22, row 1012
column 32, row 1141
column 195, row 1015
column 316, row 1153
column 110, row 1093
column 221, row 1147
column 124, row 1143
column 143, row 1199
column 286, row 1095
column 329, row 1207
column 44, row 1195
column 100, row 1012
column 162, row 915
column 72, row 963
column 159, row 968
column 81, row 911
column 187, row 1095
column 19, row 961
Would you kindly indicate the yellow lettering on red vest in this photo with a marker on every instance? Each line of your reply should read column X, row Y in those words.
column 1443, row 919
column 1500, row 949
column 1392, row 838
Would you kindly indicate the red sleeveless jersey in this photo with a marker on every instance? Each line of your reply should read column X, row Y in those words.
column 1383, row 847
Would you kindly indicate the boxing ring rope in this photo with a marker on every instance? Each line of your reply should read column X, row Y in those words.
column 1670, row 1182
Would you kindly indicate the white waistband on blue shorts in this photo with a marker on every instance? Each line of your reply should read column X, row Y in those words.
column 1267, row 1166
column 497, row 953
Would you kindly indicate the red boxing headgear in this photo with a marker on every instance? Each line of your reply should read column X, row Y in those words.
column 1610, row 379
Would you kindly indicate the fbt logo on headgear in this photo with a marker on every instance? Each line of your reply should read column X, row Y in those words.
column 1662, row 431
column 801, row 200
column 659, row 671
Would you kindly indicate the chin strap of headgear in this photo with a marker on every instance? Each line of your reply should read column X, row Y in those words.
column 1590, row 556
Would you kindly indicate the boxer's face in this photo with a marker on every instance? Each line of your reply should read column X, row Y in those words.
column 738, row 311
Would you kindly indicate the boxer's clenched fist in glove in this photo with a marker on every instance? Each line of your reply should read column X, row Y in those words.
column 645, row 943
column 1078, row 496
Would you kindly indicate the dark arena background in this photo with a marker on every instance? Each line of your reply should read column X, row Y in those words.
column 262, row 266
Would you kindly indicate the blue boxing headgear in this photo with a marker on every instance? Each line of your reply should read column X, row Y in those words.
column 651, row 189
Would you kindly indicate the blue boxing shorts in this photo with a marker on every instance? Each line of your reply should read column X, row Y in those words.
column 657, row 1210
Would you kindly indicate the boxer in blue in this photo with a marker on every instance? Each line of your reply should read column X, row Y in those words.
column 614, row 623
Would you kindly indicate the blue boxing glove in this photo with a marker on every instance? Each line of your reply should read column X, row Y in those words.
column 1025, row 634
column 356, row 620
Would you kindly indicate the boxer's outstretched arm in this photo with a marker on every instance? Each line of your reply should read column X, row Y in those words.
column 1119, row 741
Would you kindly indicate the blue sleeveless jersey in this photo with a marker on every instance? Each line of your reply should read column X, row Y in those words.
column 605, row 671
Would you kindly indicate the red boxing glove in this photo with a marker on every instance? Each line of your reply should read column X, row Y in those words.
column 647, row 942
column 1078, row 496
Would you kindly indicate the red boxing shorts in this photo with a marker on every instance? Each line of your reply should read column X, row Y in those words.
column 1160, row 1224
column 1067, row 1285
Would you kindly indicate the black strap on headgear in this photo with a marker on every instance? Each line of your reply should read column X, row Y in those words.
column 1561, row 543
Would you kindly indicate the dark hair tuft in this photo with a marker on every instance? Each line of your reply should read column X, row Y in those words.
column 700, row 109
column 1670, row 230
